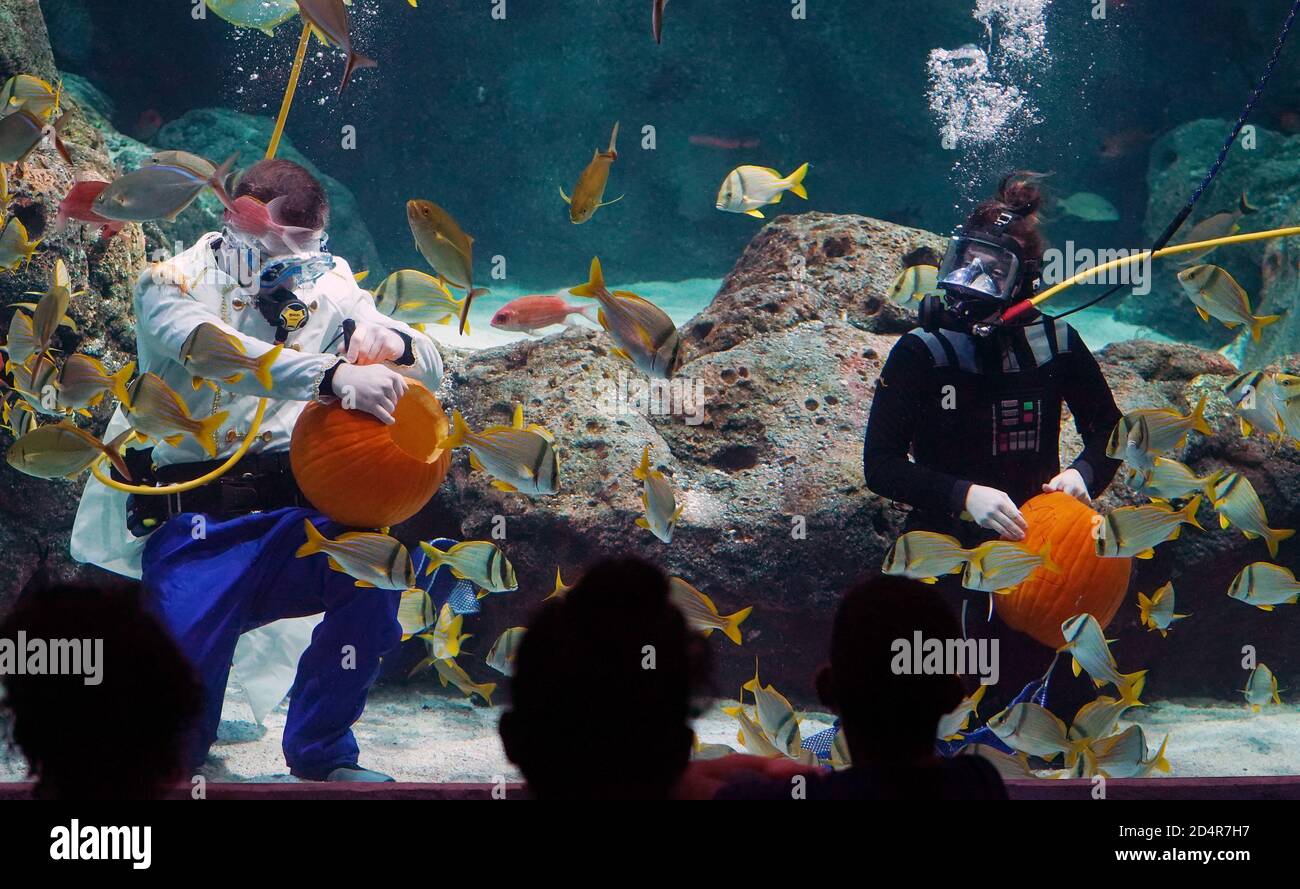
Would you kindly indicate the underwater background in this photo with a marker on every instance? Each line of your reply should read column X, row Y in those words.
column 786, row 321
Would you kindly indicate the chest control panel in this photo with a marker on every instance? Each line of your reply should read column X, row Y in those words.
column 1017, row 424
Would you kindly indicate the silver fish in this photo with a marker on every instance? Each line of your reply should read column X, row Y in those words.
column 373, row 560
column 1240, row 507
column 643, row 334
column 1264, row 585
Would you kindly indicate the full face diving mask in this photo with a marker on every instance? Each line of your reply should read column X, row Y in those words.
column 310, row 262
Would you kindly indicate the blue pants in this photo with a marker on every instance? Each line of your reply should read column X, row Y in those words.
column 242, row 574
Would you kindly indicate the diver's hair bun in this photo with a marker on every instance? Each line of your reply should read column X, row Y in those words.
column 1021, row 194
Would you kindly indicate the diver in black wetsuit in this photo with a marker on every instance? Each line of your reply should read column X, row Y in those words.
column 978, row 407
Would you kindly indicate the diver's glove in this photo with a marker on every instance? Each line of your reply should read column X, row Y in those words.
column 993, row 509
column 372, row 344
column 1070, row 482
column 372, row 388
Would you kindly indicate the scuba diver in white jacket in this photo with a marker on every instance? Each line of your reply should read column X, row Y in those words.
column 218, row 561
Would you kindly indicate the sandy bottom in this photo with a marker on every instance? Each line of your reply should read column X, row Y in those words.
column 418, row 735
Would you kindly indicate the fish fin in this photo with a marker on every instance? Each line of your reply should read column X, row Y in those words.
column 355, row 60
column 1264, row 607
column 435, row 557
column 315, row 540
column 1131, row 690
column 595, row 282
column 642, row 523
column 114, row 451
column 615, row 201
column 621, row 353
column 1046, row 553
column 1205, row 316
column 757, row 214
column 1276, row 536
column 119, row 381
column 1198, row 418
column 475, row 462
column 504, row 486
column 1150, row 553
column 1189, row 511
column 517, row 418
column 929, row 579
column 206, row 434
column 365, row 584
column 643, row 471
column 459, row 431
column 795, row 181
column 1245, row 428
column 1223, row 521
column 568, row 200
column 263, row 369
column 173, row 440
column 1075, row 666
column 732, row 624
column 1257, row 325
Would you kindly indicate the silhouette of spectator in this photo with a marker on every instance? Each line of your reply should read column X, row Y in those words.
column 120, row 736
column 889, row 719
column 601, row 698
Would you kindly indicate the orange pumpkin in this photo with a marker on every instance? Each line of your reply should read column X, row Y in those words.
column 364, row 474
column 1086, row 582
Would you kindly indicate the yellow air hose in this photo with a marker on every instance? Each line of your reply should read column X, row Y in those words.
column 1021, row 308
column 96, row 468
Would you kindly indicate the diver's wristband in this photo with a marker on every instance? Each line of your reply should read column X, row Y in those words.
column 408, row 354
column 326, row 387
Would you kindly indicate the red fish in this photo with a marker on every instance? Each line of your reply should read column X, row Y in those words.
column 259, row 220
column 531, row 313
column 78, row 205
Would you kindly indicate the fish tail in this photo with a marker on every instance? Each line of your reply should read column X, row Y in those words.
column 1144, row 609
column 1161, row 764
column 459, row 431
column 486, row 689
column 436, row 557
column 733, row 622
column 795, row 181
column 595, row 283
column 217, row 181
column 1198, row 418
column 1274, row 536
column 315, row 541
column 1188, row 514
column 1244, row 205
column 355, row 60
column 114, row 452
column 753, row 685
column 643, row 471
column 613, row 141
column 263, row 370
column 1259, row 322
column 119, row 381
column 1046, row 553
column 1131, row 691
column 206, row 434
column 464, row 308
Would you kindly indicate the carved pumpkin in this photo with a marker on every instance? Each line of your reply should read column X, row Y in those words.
column 364, row 474
column 1087, row 582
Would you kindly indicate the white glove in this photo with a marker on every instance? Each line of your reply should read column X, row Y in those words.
column 994, row 510
column 373, row 344
column 1071, row 482
column 372, row 388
